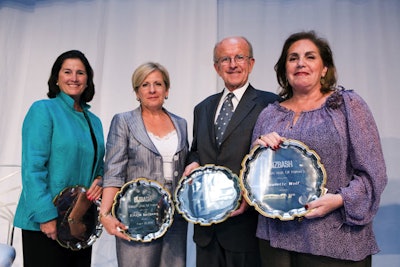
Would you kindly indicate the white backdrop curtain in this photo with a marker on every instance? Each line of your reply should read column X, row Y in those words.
column 119, row 35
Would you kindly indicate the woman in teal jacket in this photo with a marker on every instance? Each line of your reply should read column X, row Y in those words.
column 62, row 146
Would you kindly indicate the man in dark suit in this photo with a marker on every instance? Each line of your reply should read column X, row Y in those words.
column 232, row 242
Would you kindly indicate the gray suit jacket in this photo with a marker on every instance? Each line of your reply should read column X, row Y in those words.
column 131, row 154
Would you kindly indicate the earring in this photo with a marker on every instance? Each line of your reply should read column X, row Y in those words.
column 166, row 97
column 322, row 80
column 138, row 99
column 57, row 83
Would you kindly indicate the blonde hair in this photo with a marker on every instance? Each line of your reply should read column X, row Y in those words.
column 141, row 72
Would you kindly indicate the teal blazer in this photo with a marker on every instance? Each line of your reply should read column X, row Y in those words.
column 57, row 152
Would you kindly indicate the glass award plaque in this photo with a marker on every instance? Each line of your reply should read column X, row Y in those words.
column 77, row 222
column 208, row 195
column 278, row 183
column 145, row 207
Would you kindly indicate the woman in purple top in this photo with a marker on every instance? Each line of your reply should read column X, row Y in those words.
column 338, row 125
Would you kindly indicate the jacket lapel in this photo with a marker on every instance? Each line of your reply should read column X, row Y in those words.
column 138, row 130
column 211, row 111
column 179, row 130
column 245, row 106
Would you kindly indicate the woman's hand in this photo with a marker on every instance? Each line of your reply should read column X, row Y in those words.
column 323, row 205
column 50, row 229
column 114, row 226
column 95, row 190
column 272, row 140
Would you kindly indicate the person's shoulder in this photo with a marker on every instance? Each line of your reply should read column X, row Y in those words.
column 269, row 95
column 176, row 117
column 42, row 104
column 211, row 97
column 208, row 99
column 265, row 97
column 126, row 114
column 40, row 111
column 265, row 93
column 122, row 117
column 350, row 95
column 350, row 98
column 44, row 101
column 348, row 92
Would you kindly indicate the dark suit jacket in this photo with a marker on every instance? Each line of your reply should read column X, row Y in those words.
column 236, row 233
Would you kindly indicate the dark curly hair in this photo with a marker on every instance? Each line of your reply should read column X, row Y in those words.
column 88, row 94
column 327, row 83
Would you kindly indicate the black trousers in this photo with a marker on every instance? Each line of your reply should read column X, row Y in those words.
column 214, row 255
column 39, row 250
column 276, row 257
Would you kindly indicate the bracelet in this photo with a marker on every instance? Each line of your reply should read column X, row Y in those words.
column 102, row 215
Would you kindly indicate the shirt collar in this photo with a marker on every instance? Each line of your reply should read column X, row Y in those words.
column 237, row 92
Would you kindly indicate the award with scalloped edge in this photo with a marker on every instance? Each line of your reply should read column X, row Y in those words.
column 77, row 223
column 208, row 195
column 145, row 207
column 278, row 183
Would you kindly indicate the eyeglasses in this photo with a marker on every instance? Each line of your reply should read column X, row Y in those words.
column 227, row 60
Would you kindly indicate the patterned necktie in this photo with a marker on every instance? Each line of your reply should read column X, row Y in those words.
column 223, row 118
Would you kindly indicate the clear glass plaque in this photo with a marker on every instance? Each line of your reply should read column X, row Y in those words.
column 208, row 195
column 145, row 207
column 278, row 183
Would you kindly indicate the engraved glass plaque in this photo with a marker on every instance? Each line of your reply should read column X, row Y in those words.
column 208, row 195
column 145, row 207
column 278, row 183
column 77, row 223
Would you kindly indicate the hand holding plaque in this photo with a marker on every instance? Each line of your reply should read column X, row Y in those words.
column 278, row 183
column 77, row 223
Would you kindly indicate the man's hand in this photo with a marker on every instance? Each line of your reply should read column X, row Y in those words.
column 189, row 168
column 242, row 208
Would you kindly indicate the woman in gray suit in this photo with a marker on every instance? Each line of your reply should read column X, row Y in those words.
column 147, row 142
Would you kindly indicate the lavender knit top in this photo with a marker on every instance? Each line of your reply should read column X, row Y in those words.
column 345, row 136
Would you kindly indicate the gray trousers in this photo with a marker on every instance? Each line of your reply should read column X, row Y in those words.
column 166, row 251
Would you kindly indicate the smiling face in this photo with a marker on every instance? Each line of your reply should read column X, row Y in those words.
column 235, row 74
column 304, row 66
column 72, row 78
column 152, row 92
